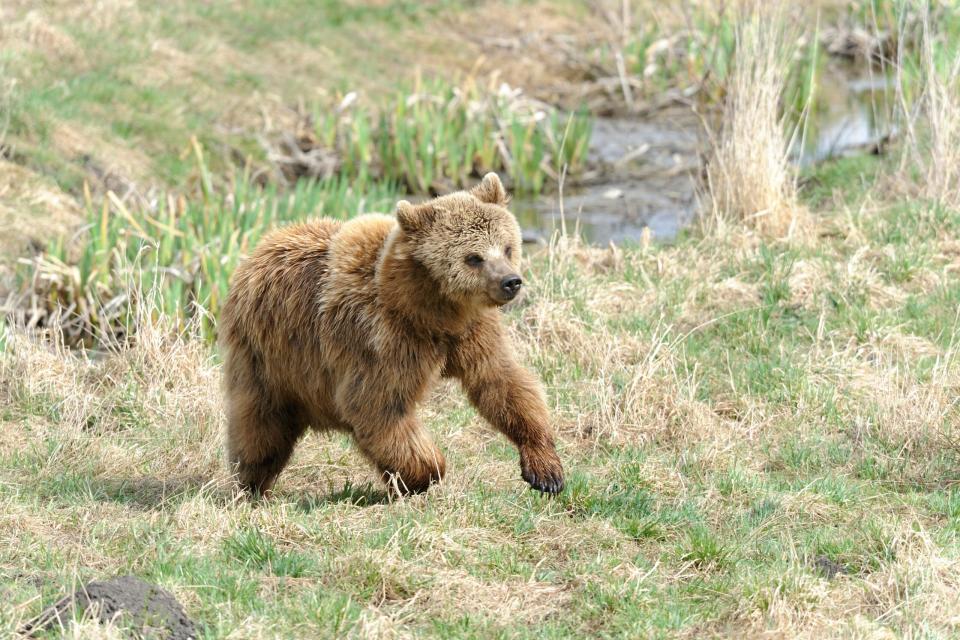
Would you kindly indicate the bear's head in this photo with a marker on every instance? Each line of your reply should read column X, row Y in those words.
column 468, row 241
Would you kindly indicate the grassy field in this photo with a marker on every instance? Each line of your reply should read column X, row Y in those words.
column 759, row 421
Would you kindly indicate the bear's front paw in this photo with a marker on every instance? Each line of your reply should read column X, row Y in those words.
column 542, row 469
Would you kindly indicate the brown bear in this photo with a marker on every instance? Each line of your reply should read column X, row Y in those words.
column 347, row 325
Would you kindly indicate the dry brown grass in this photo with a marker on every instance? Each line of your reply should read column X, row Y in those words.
column 32, row 207
column 172, row 374
column 8, row 86
column 749, row 179
column 931, row 159
column 33, row 32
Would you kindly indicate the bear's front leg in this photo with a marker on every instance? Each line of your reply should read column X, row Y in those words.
column 510, row 398
column 404, row 453
column 512, row 402
column 394, row 440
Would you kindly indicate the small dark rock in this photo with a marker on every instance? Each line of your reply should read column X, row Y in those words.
column 150, row 610
column 829, row 568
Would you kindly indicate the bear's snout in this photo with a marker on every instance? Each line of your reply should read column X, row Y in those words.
column 511, row 285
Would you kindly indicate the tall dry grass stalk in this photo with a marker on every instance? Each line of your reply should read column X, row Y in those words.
column 931, row 157
column 749, row 178
column 7, row 87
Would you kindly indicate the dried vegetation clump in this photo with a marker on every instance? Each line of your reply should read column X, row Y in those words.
column 749, row 178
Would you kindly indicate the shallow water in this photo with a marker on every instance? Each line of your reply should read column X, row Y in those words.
column 643, row 179
column 643, row 170
column 851, row 116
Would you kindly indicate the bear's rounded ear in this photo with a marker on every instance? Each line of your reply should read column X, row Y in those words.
column 414, row 218
column 490, row 190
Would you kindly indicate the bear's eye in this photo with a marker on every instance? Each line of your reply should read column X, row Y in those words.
column 474, row 260
column 508, row 252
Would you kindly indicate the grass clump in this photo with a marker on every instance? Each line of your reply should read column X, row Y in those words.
column 436, row 136
column 749, row 178
column 702, row 50
column 693, row 51
column 185, row 250
column 931, row 114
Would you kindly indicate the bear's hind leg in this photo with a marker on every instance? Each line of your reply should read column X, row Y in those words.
column 260, row 441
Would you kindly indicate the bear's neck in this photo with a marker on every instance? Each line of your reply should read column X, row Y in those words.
column 412, row 298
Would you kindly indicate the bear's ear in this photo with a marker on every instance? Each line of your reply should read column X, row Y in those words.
column 490, row 190
column 414, row 218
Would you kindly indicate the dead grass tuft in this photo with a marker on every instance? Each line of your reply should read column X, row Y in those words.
column 748, row 177
column 37, row 33
column 807, row 280
column 931, row 159
column 920, row 583
column 89, row 627
column 162, row 380
column 912, row 416
column 32, row 208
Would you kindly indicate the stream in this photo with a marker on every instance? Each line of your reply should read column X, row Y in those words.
column 643, row 172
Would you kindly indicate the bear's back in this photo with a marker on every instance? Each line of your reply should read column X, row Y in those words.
column 301, row 273
column 275, row 288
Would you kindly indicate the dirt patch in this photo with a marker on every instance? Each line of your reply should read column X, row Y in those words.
column 32, row 209
column 148, row 608
column 36, row 34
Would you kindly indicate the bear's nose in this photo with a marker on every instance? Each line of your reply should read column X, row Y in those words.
column 511, row 284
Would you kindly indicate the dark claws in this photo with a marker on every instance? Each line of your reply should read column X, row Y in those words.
column 541, row 468
column 551, row 486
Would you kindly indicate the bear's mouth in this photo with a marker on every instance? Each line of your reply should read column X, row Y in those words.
column 499, row 298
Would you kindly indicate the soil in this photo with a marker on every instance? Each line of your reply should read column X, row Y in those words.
column 147, row 608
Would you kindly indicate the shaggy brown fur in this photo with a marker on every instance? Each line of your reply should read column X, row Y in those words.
column 346, row 326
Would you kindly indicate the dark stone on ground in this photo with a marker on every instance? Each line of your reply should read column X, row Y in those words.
column 149, row 610
column 829, row 568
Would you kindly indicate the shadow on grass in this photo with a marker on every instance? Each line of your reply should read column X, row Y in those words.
column 363, row 495
column 148, row 492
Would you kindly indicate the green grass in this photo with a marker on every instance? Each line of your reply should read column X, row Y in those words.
column 434, row 136
column 669, row 61
column 134, row 100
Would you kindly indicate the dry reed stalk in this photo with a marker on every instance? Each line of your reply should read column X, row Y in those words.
column 749, row 179
column 931, row 154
